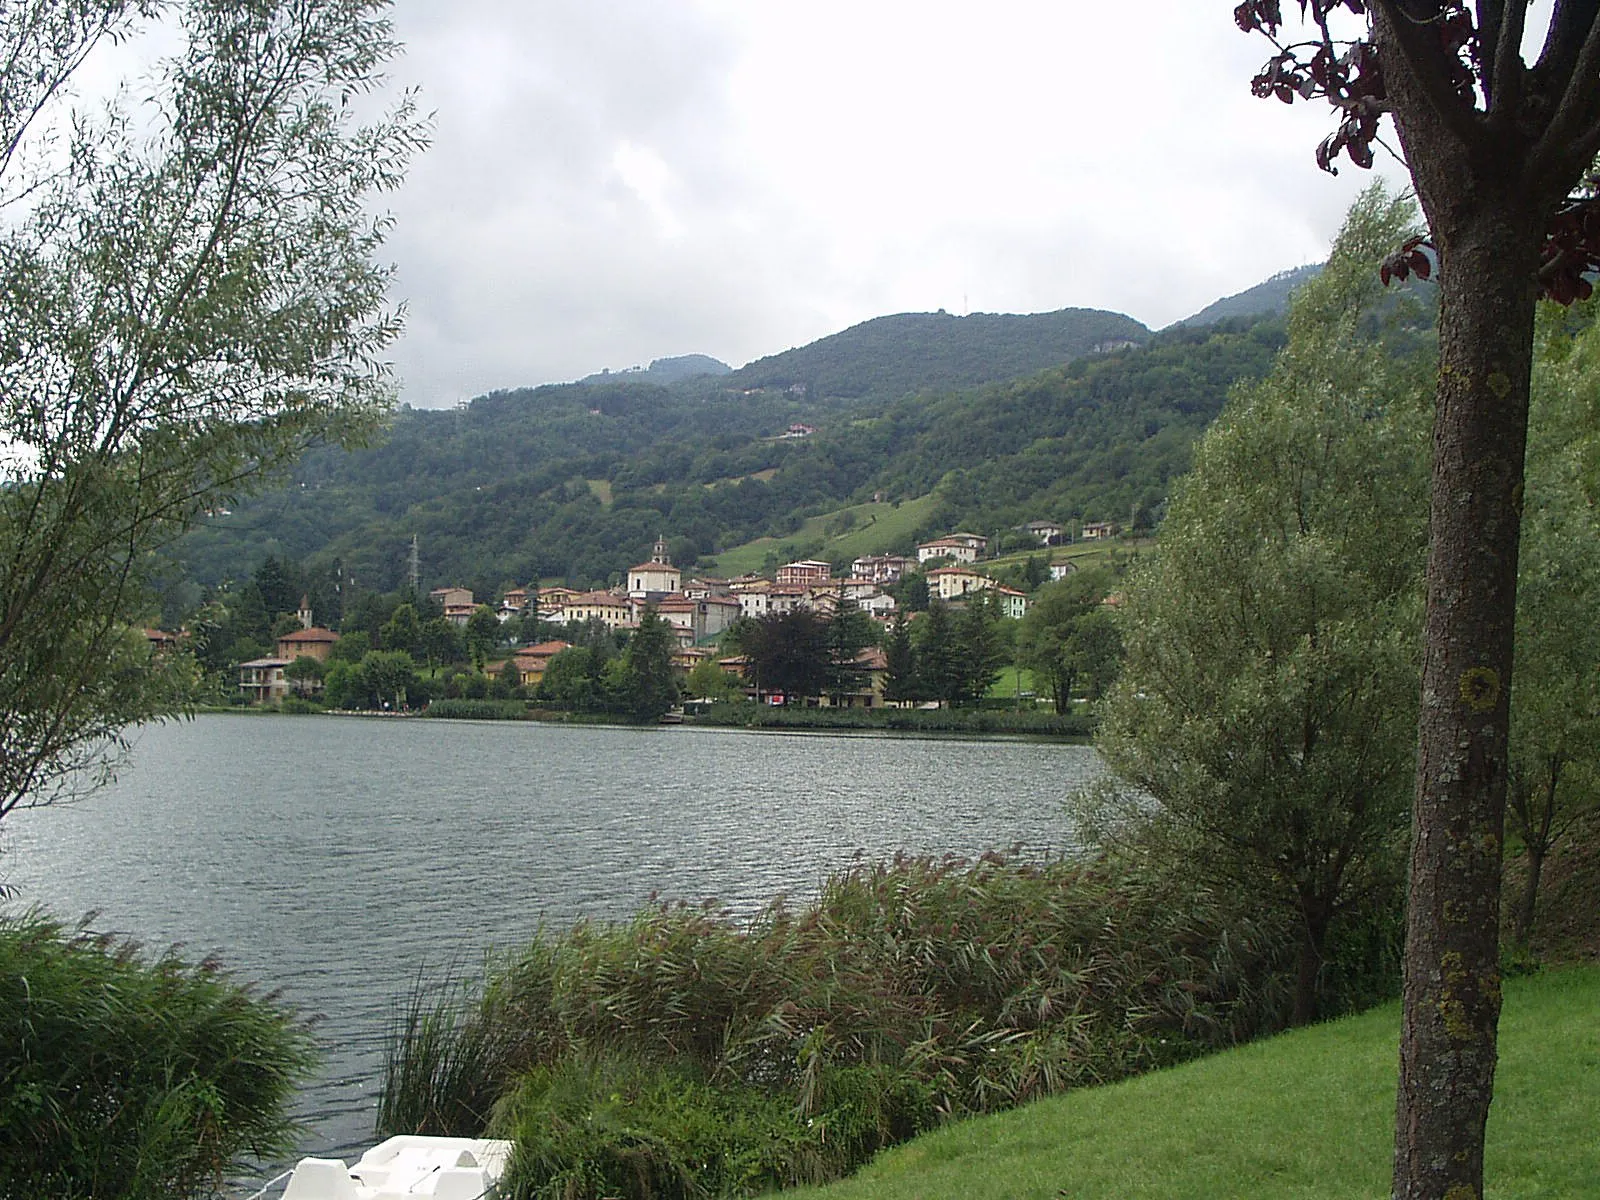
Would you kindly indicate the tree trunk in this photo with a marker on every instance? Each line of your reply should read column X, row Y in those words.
column 1313, row 934
column 1536, row 837
column 1452, row 976
column 1528, row 908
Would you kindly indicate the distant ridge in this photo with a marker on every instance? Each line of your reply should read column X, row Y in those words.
column 1271, row 296
column 889, row 357
column 665, row 371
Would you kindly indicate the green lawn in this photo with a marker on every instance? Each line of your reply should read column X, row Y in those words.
column 1305, row 1115
column 875, row 527
column 1012, row 680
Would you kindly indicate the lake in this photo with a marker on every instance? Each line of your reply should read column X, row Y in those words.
column 342, row 858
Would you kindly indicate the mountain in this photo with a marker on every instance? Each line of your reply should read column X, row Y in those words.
column 576, row 481
column 1269, row 297
column 890, row 357
column 665, row 371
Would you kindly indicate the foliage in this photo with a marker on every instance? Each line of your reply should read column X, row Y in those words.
column 789, row 653
column 1269, row 690
column 609, row 1127
column 1027, row 721
column 192, row 298
column 131, row 1075
column 900, row 682
column 482, row 634
column 383, row 679
column 850, row 632
column 1500, row 152
column 304, row 674
column 577, row 679
column 709, row 681
column 1302, row 1115
column 478, row 710
column 577, row 481
column 1069, row 634
column 1554, row 769
column 986, row 642
column 705, row 1055
column 649, row 686
column 891, row 357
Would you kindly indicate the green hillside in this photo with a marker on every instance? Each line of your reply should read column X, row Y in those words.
column 890, row 357
column 576, row 481
column 1269, row 297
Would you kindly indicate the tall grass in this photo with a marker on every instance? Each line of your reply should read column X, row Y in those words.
column 133, row 1075
column 649, row 1057
column 1308, row 1115
column 1038, row 722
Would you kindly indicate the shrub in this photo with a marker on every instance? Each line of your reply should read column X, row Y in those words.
column 908, row 994
column 478, row 710
column 136, row 1076
column 744, row 714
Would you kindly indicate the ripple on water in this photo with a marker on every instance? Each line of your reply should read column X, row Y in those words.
column 341, row 859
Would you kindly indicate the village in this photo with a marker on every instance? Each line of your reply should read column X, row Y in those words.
column 699, row 609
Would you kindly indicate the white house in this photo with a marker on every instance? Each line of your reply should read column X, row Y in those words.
column 963, row 547
column 1013, row 604
column 951, row 583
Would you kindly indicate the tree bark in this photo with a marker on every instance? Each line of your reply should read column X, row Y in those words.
column 1313, row 936
column 1535, row 828
column 1529, row 907
column 1452, row 976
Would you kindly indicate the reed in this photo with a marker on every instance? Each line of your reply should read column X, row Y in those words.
column 134, row 1075
column 909, row 994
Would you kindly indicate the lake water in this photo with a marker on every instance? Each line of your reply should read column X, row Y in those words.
column 340, row 859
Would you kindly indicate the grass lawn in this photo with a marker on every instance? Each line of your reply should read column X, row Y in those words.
column 876, row 526
column 1012, row 680
column 1306, row 1115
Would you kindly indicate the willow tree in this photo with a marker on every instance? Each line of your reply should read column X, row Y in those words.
column 1497, row 148
column 1268, row 691
column 1554, row 774
column 189, row 295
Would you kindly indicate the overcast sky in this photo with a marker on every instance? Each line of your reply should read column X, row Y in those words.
column 613, row 181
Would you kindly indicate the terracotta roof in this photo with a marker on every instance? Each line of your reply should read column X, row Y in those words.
column 314, row 634
column 544, row 650
column 598, row 598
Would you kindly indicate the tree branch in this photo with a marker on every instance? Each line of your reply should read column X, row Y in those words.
column 1421, row 58
column 1563, row 42
column 1579, row 107
column 1503, row 77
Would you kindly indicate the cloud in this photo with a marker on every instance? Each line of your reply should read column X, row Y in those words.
column 618, row 180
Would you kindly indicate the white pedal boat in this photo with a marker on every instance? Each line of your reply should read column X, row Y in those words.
column 401, row 1168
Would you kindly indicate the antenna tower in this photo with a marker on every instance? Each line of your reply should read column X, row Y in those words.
column 414, row 569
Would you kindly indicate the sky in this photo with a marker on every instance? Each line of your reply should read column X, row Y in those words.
column 614, row 181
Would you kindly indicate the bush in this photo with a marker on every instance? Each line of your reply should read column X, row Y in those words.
column 135, row 1076
column 611, row 1126
column 478, row 710
column 910, row 993
column 747, row 715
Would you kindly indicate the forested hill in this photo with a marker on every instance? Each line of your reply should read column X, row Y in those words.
column 664, row 371
column 576, row 481
column 1270, row 296
column 890, row 357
